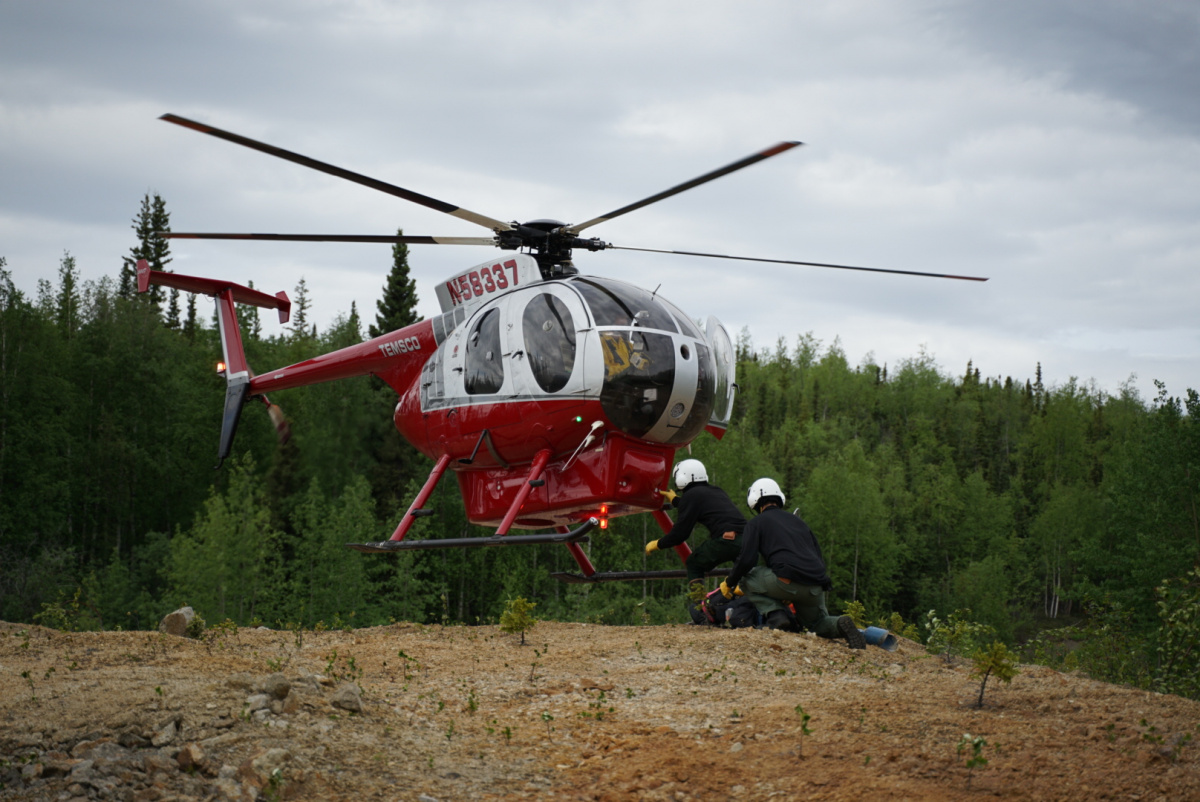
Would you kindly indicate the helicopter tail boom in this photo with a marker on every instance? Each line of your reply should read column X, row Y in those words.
column 396, row 357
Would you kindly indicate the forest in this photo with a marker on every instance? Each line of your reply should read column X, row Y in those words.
column 1061, row 520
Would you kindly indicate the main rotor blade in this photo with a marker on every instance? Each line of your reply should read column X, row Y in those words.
column 382, row 186
column 383, row 238
column 791, row 262
column 695, row 182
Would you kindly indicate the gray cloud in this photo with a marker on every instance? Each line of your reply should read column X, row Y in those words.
column 1053, row 147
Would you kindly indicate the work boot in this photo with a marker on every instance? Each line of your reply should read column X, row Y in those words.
column 854, row 638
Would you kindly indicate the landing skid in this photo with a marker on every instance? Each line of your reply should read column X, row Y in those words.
column 621, row 576
column 578, row 535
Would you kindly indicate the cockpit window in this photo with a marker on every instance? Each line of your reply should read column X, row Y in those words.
column 614, row 303
column 549, row 341
column 686, row 324
column 484, row 370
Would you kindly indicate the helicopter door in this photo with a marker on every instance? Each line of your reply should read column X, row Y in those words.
column 550, row 342
column 723, row 356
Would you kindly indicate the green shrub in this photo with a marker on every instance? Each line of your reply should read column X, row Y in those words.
column 516, row 617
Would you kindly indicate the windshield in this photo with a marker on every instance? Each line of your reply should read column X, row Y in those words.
column 615, row 303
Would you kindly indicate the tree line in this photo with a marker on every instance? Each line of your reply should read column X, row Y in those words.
column 1047, row 512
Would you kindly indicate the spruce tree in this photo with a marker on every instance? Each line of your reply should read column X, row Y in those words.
column 300, row 307
column 67, row 313
column 173, row 310
column 152, row 217
column 395, row 460
column 190, row 324
column 398, row 306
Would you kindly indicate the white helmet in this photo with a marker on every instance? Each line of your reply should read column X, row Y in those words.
column 763, row 488
column 688, row 471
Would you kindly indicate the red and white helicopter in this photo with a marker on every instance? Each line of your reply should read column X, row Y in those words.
column 557, row 400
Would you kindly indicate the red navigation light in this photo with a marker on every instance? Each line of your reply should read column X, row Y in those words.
column 221, row 367
column 604, row 516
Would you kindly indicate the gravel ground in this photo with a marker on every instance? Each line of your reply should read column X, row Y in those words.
column 580, row 711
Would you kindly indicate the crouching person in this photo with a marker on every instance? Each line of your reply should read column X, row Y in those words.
column 794, row 573
column 699, row 502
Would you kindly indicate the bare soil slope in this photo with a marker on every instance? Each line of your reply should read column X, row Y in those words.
column 578, row 712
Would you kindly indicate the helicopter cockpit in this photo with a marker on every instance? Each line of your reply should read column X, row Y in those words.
column 656, row 375
column 649, row 346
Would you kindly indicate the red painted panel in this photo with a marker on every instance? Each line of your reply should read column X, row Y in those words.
column 623, row 473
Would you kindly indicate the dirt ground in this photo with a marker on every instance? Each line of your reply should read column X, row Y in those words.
column 578, row 712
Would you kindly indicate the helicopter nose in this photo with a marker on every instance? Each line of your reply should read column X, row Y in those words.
column 654, row 387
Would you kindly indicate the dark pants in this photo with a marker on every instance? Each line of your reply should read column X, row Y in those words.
column 711, row 553
column 769, row 593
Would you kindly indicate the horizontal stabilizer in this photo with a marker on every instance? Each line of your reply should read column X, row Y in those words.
column 207, row 286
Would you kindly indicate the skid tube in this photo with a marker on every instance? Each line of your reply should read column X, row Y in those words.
column 574, row 536
column 624, row 576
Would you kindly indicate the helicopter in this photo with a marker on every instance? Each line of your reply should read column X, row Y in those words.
column 557, row 400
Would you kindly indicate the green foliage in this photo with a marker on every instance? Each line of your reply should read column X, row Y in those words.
column 993, row 661
column 956, row 635
column 1179, row 636
column 857, row 613
column 1107, row 645
column 342, row 667
column 517, row 617
column 1014, row 499
column 896, row 624
column 844, row 503
column 152, row 217
column 804, row 730
column 975, row 758
column 227, row 563
column 196, row 628
column 893, row 622
column 75, row 615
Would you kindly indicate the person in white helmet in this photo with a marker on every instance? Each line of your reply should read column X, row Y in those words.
column 699, row 502
column 795, row 572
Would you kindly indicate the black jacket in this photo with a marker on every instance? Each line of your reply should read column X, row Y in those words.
column 788, row 545
column 707, row 505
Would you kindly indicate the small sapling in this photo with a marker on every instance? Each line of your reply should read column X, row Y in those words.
column 996, row 660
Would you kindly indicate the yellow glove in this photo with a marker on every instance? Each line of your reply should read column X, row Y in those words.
column 725, row 591
column 652, row 546
column 668, row 494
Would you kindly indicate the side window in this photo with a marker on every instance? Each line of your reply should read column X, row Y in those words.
column 549, row 341
column 484, row 370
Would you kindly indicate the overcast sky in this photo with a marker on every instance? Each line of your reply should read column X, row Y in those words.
column 1052, row 147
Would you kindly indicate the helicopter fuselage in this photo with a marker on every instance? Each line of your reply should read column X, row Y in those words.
column 608, row 378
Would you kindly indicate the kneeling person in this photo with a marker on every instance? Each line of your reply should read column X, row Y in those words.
column 795, row 572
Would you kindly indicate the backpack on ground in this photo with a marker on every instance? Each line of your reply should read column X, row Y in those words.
column 717, row 611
